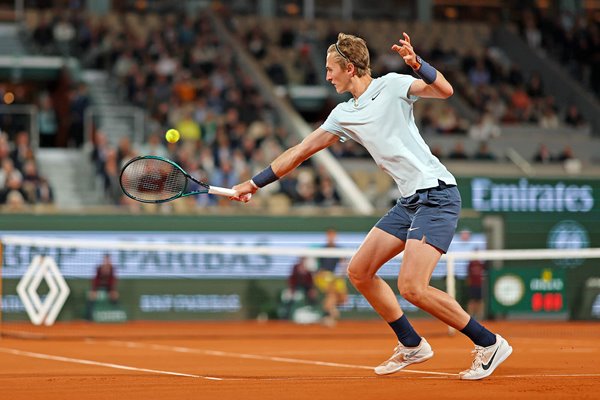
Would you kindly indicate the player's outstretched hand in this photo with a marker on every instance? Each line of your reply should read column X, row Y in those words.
column 406, row 51
column 244, row 192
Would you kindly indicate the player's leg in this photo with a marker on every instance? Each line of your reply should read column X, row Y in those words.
column 420, row 258
column 378, row 248
column 418, row 263
column 433, row 228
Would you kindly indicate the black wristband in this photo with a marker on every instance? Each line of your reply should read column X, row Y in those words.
column 264, row 177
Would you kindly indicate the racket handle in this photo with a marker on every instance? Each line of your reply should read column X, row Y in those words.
column 221, row 191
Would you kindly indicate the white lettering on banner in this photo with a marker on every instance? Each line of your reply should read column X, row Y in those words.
column 12, row 304
column 357, row 302
column 81, row 263
column 190, row 303
column 541, row 285
column 526, row 197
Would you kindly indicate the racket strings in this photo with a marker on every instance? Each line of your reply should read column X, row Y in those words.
column 152, row 180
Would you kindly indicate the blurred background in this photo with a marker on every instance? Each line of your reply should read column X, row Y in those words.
column 87, row 85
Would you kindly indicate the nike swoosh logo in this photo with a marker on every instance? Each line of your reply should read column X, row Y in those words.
column 412, row 229
column 411, row 354
column 374, row 97
column 487, row 366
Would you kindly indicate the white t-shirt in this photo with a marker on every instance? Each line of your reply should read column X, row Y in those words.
column 382, row 121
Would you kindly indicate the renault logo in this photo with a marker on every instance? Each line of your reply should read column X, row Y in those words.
column 43, row 311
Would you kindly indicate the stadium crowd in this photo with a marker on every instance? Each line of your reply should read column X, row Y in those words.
column 21, row 184
column 572, row 40
column 178, row 70
column 186, row 79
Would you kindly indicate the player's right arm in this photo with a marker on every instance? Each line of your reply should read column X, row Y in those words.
column 296, row 155
column 290, row 159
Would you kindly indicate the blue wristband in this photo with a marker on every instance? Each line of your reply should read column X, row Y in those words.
column 264, row 177
column 426, row 71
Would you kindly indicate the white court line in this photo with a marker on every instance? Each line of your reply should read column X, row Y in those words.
column 179, row 349
column 438, row 375
column 550, row 376
column 98, row 363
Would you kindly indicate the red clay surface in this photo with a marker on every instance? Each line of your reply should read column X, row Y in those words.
column 280, row 360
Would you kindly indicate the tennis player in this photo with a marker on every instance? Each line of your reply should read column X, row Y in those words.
column 379, row 116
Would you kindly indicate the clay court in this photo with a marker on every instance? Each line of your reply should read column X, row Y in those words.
column 273, row 360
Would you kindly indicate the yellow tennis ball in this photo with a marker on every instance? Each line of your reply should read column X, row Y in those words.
column 172, row 135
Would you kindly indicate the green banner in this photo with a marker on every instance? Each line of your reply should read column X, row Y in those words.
column 538, row 213
column 524, row 195
column 187, row 299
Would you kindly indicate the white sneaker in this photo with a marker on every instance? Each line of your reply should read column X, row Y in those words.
column 487, row 359
column 404, row 356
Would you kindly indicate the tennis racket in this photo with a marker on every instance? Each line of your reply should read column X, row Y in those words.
column 152, row 179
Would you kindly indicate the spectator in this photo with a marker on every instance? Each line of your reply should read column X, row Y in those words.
column 484, row 153
column 475, row 273
column 330, row 283
column 567, row 153
column 257, row 42
column 225, row 176
column 64, row 35
column 276, row 71
column 31, row 181
column 532, row 34
column 48, row 124
column 521, row 103
column 301, row 290
column 43, row 36
column 306, row 189
column 22, row 150
column 479, row 75
column 104, row 286
column 448, row 121
column 543, row 155
column 573, row 118
column 287, row 37
column 535, row 87
column 154, row 146
column 327, row 195
column 124, row 151
column 7, row 169
column 13, row 186
column 458, row 152
column 99, row 152
column 44, row 191
column 301, row 280
column 486, row 128
column 111, row 172
column 15, row 202
column 549, row 118
column 437, row 151
column 79, row 102
column 105, row 280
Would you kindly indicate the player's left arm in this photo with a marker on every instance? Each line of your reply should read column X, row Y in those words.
column 432, row 84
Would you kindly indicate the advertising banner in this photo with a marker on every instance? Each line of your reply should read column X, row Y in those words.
column 530, row 292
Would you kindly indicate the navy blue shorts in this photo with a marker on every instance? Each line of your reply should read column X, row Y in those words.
column 432, row 213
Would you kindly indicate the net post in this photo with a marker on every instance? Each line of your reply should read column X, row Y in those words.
column 450, row 285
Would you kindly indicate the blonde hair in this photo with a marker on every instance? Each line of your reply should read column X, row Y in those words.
column 351, row 49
